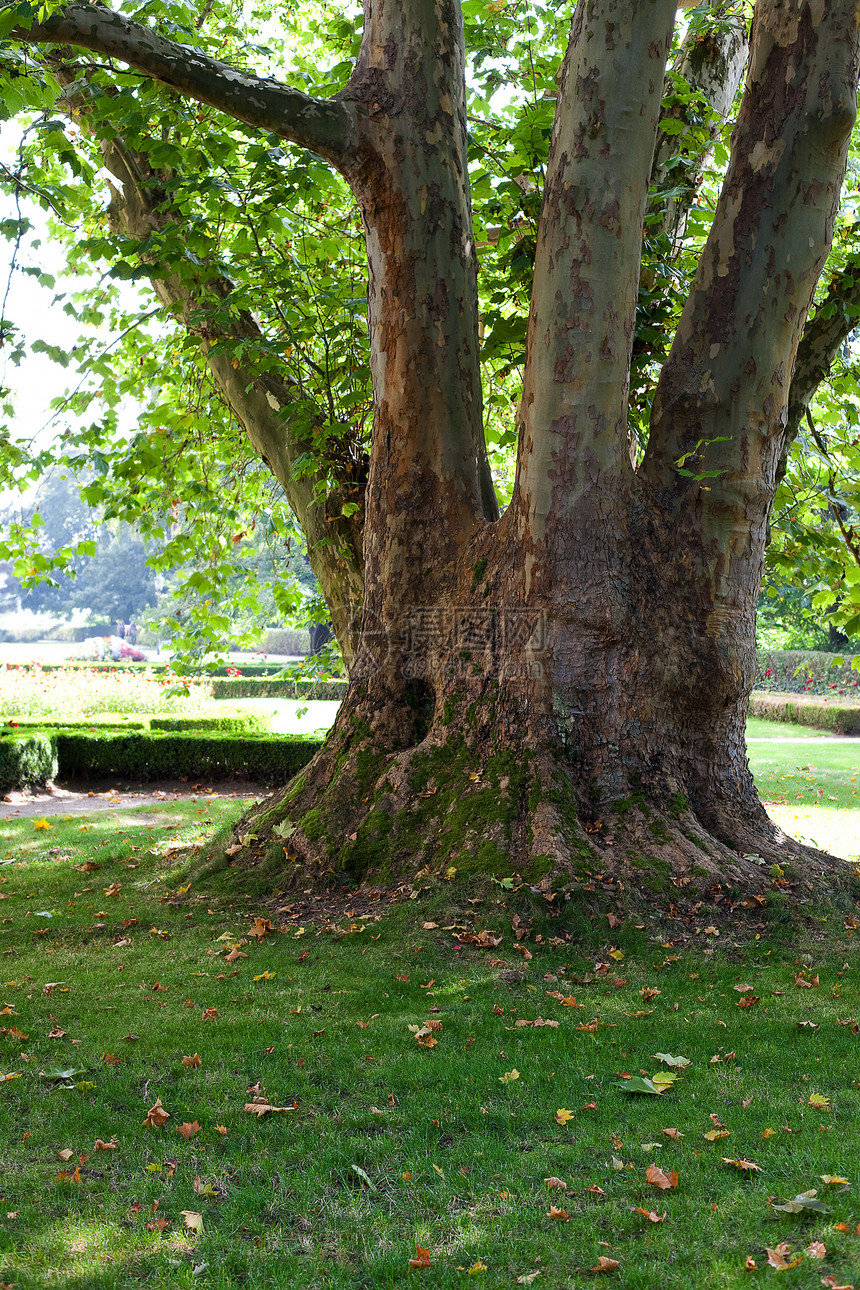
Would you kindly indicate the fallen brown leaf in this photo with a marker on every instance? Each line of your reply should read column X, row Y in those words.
column 156, row 1115
column 657, row 1178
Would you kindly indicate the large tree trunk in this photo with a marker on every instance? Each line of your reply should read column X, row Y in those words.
column 563, row 690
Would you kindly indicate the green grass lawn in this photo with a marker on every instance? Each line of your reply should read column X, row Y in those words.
column 385, row 1144
column 757, row 728
column 812, row 791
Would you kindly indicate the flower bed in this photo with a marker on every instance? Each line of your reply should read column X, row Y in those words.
column 808, row 672
column 74, row 692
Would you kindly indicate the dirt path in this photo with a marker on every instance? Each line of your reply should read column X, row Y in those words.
column 64, row 799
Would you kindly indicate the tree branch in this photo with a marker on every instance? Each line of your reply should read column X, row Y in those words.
column 325, row 126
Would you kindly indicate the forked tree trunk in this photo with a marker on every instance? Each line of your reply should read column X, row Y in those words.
column 563, row 690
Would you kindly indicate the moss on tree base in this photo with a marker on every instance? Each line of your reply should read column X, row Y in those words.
column 470, row 798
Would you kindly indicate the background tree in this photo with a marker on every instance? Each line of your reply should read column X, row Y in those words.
column 506, row 668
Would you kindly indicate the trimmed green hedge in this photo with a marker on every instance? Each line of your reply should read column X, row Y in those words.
column 796, row 671
column 27, row 758
column 272, row 759
column 100, row 721
column 250, row 688
column 840, row 718
column 231, row 723
column 227, row 723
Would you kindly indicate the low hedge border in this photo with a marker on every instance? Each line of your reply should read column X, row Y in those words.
column 271, row 759
column 81, row 665
column 228, row 723
column 839, row 718
column 27, row 759
column 796, row 671
column 240, row 687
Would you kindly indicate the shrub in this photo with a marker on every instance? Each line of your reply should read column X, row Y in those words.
column 227, row 723
column 271, row 759
column 840, row 718
column 240, row 687
column 28, row 758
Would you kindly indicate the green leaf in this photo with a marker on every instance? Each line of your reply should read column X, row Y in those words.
column 807, row 1200
column 639, row 1084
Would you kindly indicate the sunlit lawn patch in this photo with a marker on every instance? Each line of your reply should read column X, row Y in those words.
column 385, row 1145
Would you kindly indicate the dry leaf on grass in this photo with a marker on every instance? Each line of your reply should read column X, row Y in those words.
column 560, row 1214
column 188, row 1130
column 98, row 1145
column 657, row 1178
column 604, row 1264
column 263, row 1107
column 650, row 1215
column 748, row 1166
column 156, row 1115
column 780, row 1257
column 553, row 1183
column 422, row 1258
column 193, row 1220
column 192, row 1061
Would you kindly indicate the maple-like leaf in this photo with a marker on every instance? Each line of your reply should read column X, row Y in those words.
column 650, row 1215
column 42, row 824
column 820, row 1102
column 604, row 1264
column 192, row 1061
column 64, row 1176
column 233, row 955
column 98, row 1145
column 832, row 1284
column 816, row 1250
column 209, row 1014
column 159, row 1224
column 714, row 1135
column 657, row 1178
column 674, row 1134
column 776, row 1258
column 222, row 1129
column 509, row 1076
column 749, row 1000
column 193, row 1220
column 422, row 1258
column 747, row 1166
column 110, row 1060
column 649, row 992
column 201, row 1188
column 562, row 1115
column 156, row 1115
column 552, row 1183
column 188, row 1130
column 750, row 1264
column 114, row 889
column 561, row 1214
column 833, row 1180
